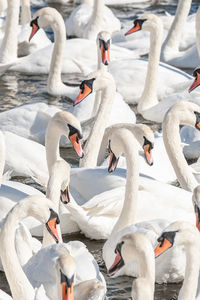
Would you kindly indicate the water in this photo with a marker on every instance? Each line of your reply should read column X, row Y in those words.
column 17, row 89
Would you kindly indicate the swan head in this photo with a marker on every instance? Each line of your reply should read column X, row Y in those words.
column 103, row 42
column 67, row 266
column 146, row 22
column 131, row 247
column 98, row 80
column 187, row 113
column 177, row 233
column 196, row 83
column 43, row 210
column 196, row 203
column 69, row 125
column 145, row 137
column 43, row 18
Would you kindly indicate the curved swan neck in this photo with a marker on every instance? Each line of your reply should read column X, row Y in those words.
column 25, row 12
column 94, row 25
column 149, row 95
column 93, row 143
column 129, row 210
column 59, row 30
column 172, row 143
column 52, row 139
column 188, row 290
column 8, row 50
column 19, row 284
column 174, row 35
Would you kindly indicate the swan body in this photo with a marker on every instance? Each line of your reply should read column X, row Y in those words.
column 161, row 81
column 87, row 21
column 133, row 208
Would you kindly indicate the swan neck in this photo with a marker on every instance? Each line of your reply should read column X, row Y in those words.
column 149, row 95
column 52, row 139
column 25, row 12
column 92, row 147
column 8, row 50
column 174, row 35
column 188, row 290
column 197, row 25
column 129, row 210
column 172, row 143
column 18, row 282
column 59, row 30
column 94, row 25
column 147, row 267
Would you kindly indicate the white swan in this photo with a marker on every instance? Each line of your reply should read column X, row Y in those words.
column 100, row 80
column 136, row 247
column 9, row 44
column 77, row 264
column 151, row 194
column 87, row 21
column 148, row 104
column 40, row 208
column 97, row 217
column 161, row 81
column 170, row 49
column 183, row 233
column 182, row 113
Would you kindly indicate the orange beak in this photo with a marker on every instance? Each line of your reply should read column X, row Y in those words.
column 76, row 142
column 161, row 249
column 52, row 228
column 113, row 269
column 105, row 54
column 113, row 162
column 83, row 94
column 67, row 292
column 196, row 83
column 35, row 28
column 148, row 154
column 65, row 196
column 198, row 125
column 133, row 29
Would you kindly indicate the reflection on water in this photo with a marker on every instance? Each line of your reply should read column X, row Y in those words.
column 17, row 89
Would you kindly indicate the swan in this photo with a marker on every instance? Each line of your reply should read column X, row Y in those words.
column 136, row 247
column 9, row 44
column 182, row 113
column 148, row 105
column 75, row 261
column 39, row 62
column 98, row 215
column 190, row 136
column 86, row 20
column 40, row 208
column 62, row 123
column 151, row 194
column 130, row 76
column 183, row 233
column 99, row 80
column 170, row 49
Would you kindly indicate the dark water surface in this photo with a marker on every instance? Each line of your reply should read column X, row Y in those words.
column 17, row 89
